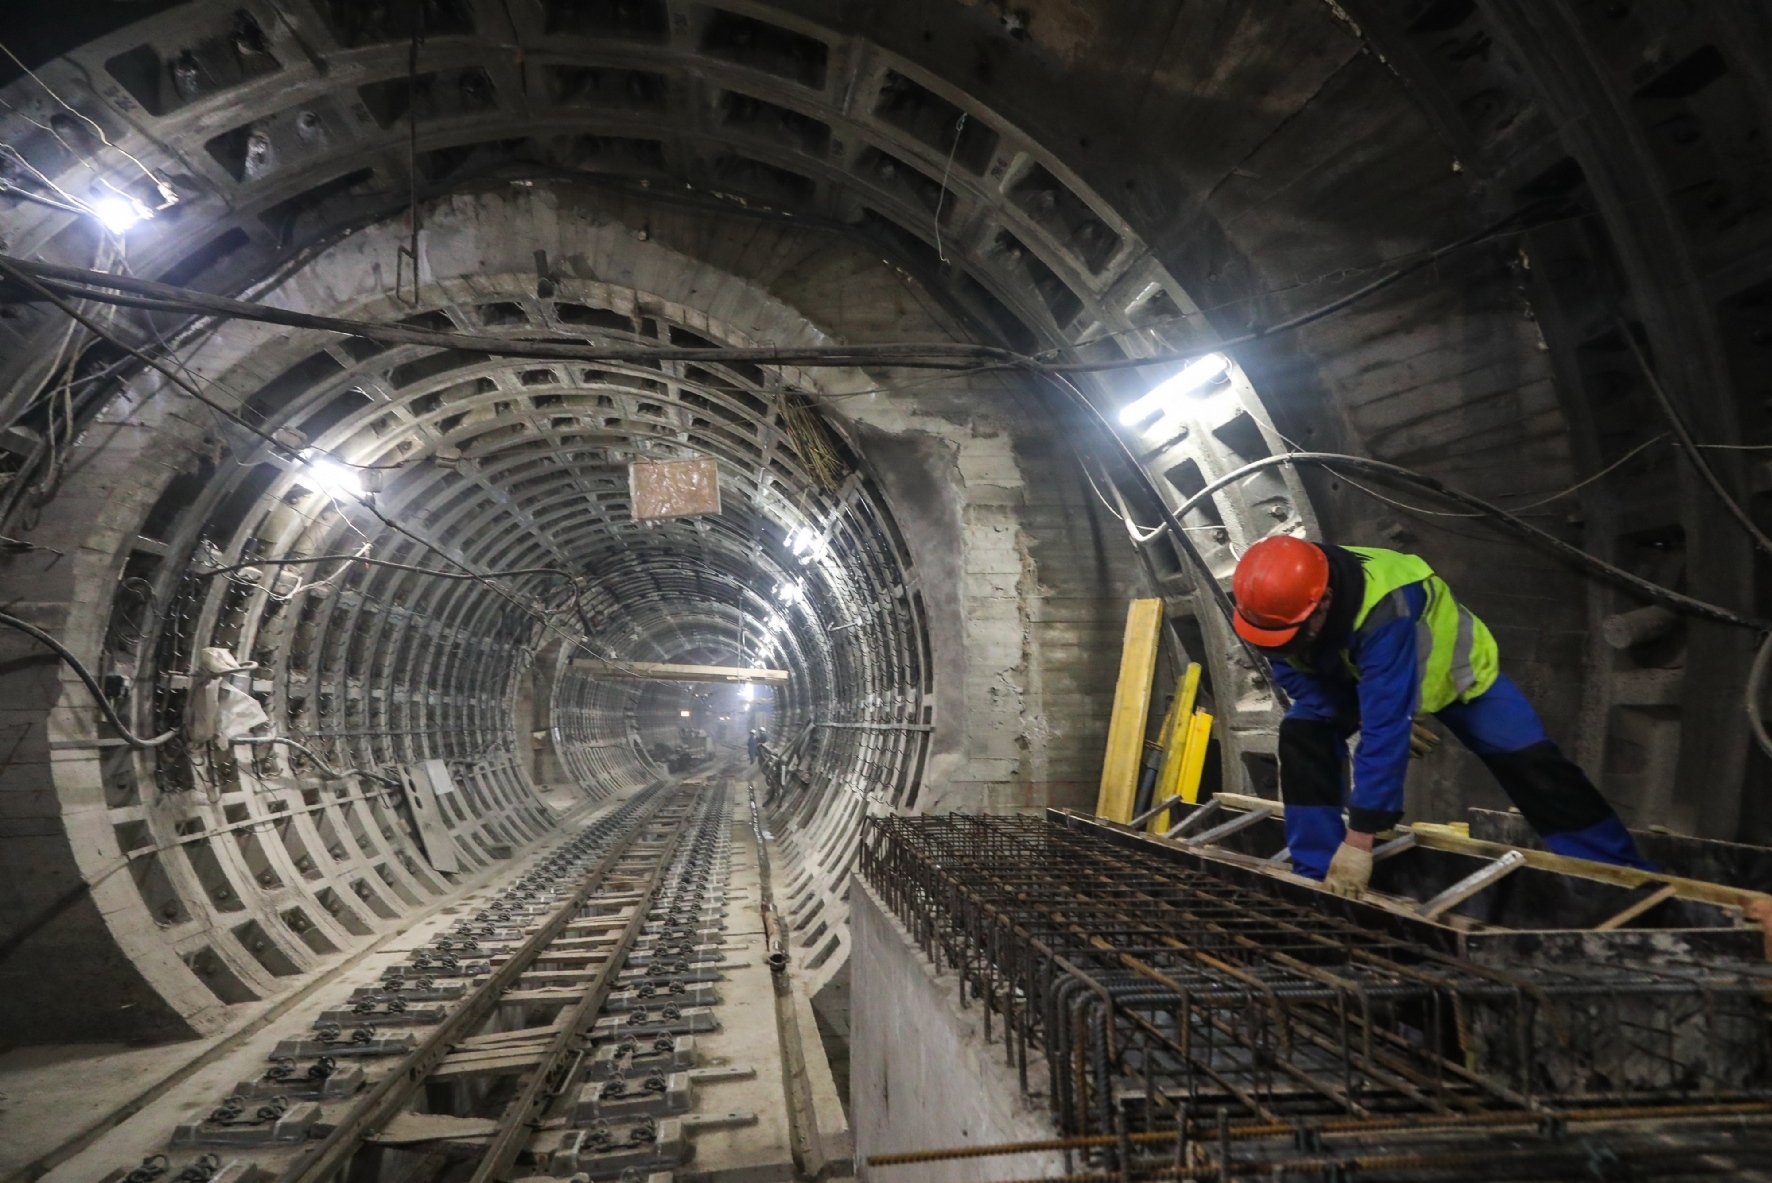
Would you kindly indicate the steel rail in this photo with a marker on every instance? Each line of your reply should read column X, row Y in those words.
column 545, row 1082
column 390, row 1095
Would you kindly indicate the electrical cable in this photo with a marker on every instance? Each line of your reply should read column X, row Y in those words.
column 950, row 355
column 1139, row 535
column 1690, row 446
column 941, row 191
column 157, row 297
column 1598, row 567
column 7, row 266
column 1312, row 315
column 1755, row 694
column 92, row 684
column 311, row 754
column 96, row 129
column 468, row 576
column 1203, row 570
column 10, row 190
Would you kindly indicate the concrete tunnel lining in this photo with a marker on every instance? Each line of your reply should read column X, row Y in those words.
column 1012, row 571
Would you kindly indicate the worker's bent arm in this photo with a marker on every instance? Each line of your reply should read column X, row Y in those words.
column 1313, row 698
column 1389, row 690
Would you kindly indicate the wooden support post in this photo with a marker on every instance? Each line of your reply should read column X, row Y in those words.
column 1132, row 705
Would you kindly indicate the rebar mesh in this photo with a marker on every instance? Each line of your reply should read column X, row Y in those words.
column 1154, row 991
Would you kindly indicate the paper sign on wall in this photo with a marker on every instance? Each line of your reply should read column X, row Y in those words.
column 674, row 488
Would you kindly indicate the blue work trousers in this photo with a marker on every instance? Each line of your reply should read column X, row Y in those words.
column 1500, row 726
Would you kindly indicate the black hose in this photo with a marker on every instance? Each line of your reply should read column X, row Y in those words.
column 311, row 754
column 98, row 693
column 1591, row 564
column 1756, row 694
column 130, row 291
column 1689, row 445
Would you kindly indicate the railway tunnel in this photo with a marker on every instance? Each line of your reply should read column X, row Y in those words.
column 435, row 429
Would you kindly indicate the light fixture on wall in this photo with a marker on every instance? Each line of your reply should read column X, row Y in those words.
column 117, row 212
column 332, row 478
column 1165, row 395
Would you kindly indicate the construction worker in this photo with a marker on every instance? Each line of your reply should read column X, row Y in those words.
column 1366, row 640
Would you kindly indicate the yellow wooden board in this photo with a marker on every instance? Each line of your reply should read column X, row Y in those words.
column 1132, row 705
column 1175, row 731
column 1193, row 763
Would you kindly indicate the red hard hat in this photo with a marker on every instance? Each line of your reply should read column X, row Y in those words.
column 1278, row 584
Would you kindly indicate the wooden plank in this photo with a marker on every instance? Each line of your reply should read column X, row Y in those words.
column 1437, row 839
column 500, row 1039
column 1193, row 762
column 1175, row 733
column 1623, row 918
column 658, row 671
column 493, row 1062
column 1132, row 706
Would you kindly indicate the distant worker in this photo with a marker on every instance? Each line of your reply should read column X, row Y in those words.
column 1366, row 640
column 751, row 744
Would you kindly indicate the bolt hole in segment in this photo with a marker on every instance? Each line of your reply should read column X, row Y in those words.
column 569, row 1026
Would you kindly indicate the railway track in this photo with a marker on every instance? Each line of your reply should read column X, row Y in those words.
column 551, row 1033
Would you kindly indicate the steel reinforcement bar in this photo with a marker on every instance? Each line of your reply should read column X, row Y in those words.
column 1164, row 1006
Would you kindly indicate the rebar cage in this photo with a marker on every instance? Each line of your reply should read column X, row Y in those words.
column 1155, row 992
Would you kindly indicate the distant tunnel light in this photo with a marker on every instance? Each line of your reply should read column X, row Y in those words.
column 118, row 212
column 1163, row 396
column 684, row 714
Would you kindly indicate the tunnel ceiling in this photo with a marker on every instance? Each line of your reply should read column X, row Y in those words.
column 921, row 552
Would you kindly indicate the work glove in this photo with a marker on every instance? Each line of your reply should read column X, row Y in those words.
column 1421, row 741
column 1349, row 871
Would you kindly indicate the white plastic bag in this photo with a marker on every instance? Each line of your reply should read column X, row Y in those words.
column 223, row 712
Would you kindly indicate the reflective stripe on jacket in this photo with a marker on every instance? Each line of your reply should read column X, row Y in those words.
column 1456, row 657
column 1411, row 649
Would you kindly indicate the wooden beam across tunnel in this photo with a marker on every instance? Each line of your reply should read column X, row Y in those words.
column 656, row 671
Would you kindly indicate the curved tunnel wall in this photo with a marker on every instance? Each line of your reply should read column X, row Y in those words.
column 1144, row 179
